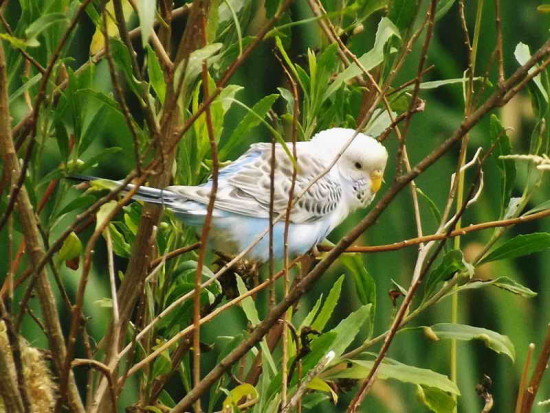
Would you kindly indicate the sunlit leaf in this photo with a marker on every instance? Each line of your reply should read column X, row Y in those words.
column 71, row 248
column 320, row 385
column 244, row 391
column 103, row 213
column 146, row 12
column 493, row 340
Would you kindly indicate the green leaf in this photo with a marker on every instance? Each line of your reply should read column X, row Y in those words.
column 19, row 43
column 504, row 283
column 81, row 202
column 500, row 139
column 519, row 246
column 43, row 22
column 243, row 391
column 391, row 369
column 442, row 8
column 436, row 400
column 541, row 207
column 251, row 313
column 312, row 313
column 452, row 263
column 402, row 13
column 433, row 207
column 349, row 328
column 146, row 13
column 319, row 349
column 193, row 65
column 252, row 119
column 493, row 340
column 71, row 248
column 103, row 213
column 522, row 55
column 320, row 385
column 365, row 286
column 386, row 30
column 328, row 308
column 26, row 86
column 120, row 246
column 156, row 77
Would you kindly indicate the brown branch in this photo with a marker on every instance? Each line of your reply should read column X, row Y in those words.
column 29, row 226
column 540, row 368
column 175, row 253
column 103, row 369
column 204, row 238
column 437, row 237
column 499, row 49
column 305, row 284
column 522, row 388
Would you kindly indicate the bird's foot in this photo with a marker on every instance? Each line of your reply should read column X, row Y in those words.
column 248, row 270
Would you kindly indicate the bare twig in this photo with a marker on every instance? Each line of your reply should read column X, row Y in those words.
column 540, row 368
column 522, row 388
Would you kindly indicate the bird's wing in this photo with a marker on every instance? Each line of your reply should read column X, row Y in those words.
column 244, row 186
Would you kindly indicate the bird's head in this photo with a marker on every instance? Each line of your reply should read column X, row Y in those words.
column 362, row 163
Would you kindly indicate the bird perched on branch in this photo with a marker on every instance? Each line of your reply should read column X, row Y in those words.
column 337, row 172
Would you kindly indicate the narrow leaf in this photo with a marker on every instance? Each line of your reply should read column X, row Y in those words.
column 495, row 341
column 519, row 246
column 328, row 308
column 391, row 369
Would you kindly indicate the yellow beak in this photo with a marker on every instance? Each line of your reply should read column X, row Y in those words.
column 375, row 181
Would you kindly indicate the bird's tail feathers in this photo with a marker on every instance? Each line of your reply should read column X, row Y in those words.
column 144, row 193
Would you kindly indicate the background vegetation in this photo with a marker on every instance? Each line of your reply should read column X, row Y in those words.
column 178, row 84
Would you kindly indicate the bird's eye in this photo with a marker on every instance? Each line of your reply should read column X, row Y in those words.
column 358, row 165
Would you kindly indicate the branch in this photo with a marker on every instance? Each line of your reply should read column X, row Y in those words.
column 438, row 236
column 29, row 226
column 534, row 384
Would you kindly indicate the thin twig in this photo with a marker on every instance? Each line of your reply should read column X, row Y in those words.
column 522, row 388
column 536, row 378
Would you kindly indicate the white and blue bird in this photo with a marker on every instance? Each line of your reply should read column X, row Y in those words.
column 242, row 201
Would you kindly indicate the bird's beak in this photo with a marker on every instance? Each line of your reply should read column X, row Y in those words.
column 375, row 181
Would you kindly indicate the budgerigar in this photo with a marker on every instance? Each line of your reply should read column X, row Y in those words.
column 242, row 205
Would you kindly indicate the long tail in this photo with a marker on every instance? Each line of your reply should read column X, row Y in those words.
column 144, row 193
